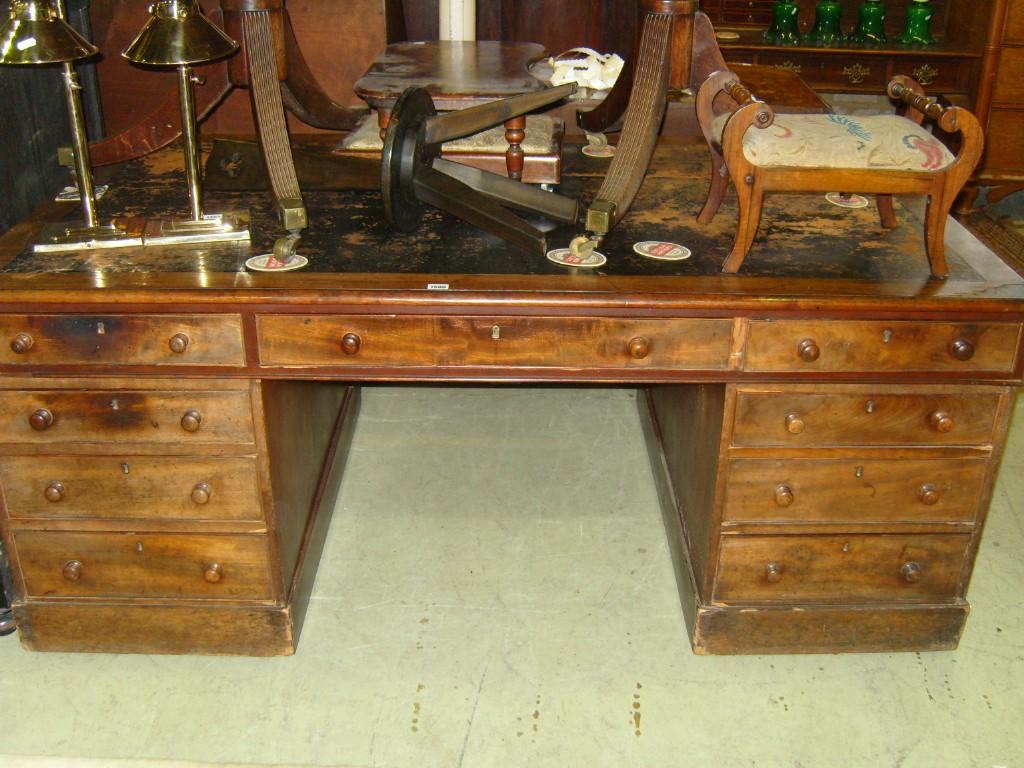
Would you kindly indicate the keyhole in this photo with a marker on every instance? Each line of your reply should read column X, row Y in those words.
column 887, row 335
column 496, row 332
column 124, row 467
column 138, row 547
column 870, row 406
column 859, row 472
column 101, row 328
column 114, row 405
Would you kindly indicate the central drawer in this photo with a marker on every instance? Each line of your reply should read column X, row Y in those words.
column 75, row 564
column 142, row 416
column 577, row 342
column 865, row 568
column 133, row 487
column 863, row 417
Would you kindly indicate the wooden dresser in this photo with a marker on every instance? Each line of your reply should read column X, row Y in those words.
column 825, row 427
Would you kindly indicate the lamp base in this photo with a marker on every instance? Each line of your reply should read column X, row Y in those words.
column 75, row 236
column 212, row 228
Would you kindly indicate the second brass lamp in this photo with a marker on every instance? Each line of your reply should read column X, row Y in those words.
column 177, row 34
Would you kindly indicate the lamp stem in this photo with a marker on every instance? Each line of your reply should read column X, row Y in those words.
column 80, row 143
column 188, row 132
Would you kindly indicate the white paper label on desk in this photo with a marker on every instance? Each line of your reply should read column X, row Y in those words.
column 437, row 286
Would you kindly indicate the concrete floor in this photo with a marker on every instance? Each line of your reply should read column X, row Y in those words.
column 496, row 591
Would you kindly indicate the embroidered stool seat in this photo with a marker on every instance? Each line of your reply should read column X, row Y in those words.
column 884, row 155
column 883, row 142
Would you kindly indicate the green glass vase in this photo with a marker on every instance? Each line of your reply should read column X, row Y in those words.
column 827, row 30
column 870, row 24
column 918, row 29
column 784, row 29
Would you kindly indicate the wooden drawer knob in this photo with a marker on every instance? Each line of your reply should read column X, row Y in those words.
column 911, row 572
column 191, row 421
column 783, row 495
column 22, row 343
column 201, row 493
column 179, row 343
column 41, row 419
column 808, row 350
column 73, row 570
column 54, row 491
column 773, row 572
column 928, row 494
column 941, row 421
column 794, row 423
column 639, row 347
column 962, row 349
column 350, row 343
column 213, row 572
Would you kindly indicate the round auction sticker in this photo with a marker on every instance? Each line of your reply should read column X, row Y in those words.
column 566, row 258
column 656, row 249
column 269, row 263
column 847, row 201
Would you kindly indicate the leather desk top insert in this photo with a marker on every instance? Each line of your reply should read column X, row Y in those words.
column 825, row 427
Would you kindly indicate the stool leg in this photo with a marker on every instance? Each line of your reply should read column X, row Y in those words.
column 886, row 212
column 935, row 231
column 515, row 157
column 751, row 198
column 717, row 191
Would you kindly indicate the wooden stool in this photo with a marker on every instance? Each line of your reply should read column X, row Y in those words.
column 878, row 154
column 458, row 75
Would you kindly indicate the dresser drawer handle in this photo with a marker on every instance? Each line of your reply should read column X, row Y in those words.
column 773, row 572
column 962, row 350
column 783, row 495
column 350, row 343
column 73, row 570
column 191, row 421
column 928, row 494
column 55, row 491
column 794, row 423
column 639, row 347
column 22, row 343
column 911, row 572
column 213, row 572
column 179, row 343
column 808, row 350
column 41, row 419
column 941, row 421
column 201, row 493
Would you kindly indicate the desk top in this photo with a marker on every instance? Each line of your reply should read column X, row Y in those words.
column 809, row 255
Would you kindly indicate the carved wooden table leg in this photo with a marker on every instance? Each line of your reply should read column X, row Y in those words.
column 515, row 157
column 383, row 119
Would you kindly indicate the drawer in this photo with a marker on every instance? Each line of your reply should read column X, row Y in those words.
column 213, row 340
column 131, row 488
column 795, row 345
column 853, row 490
column 1009, row 86
column 365, row 340
column 52, row 416
column 870, row 568
column 863, row 417
column 1002, row 154
column 935, row 75
column 189, row 566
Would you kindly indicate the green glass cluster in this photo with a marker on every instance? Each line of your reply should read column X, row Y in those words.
column 784, row 29
column 870, row 24
column 827, row 30
column 918, row 29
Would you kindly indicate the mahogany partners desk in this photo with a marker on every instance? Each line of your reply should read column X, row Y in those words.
column 825, row 427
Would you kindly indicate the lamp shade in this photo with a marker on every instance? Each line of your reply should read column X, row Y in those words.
column 35, row 34
column 177, row 33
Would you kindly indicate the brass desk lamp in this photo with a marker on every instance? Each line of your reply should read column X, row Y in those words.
column 35, row 34
column 177, row 34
